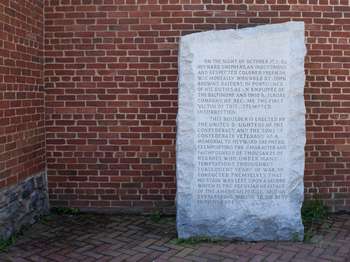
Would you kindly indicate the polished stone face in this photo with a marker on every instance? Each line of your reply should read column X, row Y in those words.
column 241, row 133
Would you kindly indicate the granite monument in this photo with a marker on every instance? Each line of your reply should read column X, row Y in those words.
column 241, row 133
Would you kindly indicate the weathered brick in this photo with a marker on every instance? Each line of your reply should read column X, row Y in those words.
column 111, row 77
column 21, row 91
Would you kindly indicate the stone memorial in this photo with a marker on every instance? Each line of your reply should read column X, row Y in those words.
column 241, row 133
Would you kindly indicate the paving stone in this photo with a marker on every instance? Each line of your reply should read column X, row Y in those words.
column 99, row 238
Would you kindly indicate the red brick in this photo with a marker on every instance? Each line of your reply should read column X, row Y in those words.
column 23, row 154
column 111, row 72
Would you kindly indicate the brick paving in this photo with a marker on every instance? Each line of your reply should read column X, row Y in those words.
column 89, row 237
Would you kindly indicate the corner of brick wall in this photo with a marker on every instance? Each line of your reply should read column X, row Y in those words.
column 23, row 192
column 111, row 83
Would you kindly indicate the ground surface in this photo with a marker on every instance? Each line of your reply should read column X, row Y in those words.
column 135, row 238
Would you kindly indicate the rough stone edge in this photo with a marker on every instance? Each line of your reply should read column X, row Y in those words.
column 254, row 32
column 185, row 138
column 296, row 128
column 23, row 204
column 186, row 113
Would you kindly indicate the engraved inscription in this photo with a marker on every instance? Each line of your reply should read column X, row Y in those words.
column 239, row 142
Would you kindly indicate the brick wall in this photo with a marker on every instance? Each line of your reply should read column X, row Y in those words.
column 22, row 132
column 23, row 194
column 111, row 82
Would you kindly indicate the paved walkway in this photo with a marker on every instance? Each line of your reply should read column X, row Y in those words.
column 134, row 238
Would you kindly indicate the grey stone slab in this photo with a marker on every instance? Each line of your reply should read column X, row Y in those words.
column 22, row 204
column 241, row 133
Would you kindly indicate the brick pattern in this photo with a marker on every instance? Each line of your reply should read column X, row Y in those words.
column 22, row 132
column 130, row 238
column 111, row 82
